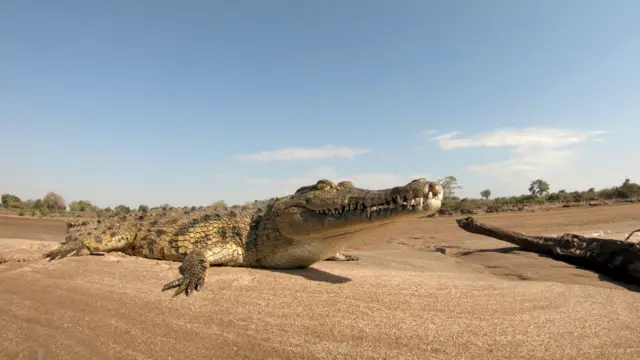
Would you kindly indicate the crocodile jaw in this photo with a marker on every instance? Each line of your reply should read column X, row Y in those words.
column 340, row 211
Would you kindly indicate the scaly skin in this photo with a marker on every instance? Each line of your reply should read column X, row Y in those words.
column 294, row 231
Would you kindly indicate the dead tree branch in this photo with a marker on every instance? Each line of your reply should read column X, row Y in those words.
column 617, row 259
column 631, row 234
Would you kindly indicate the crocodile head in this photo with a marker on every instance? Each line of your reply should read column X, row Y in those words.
column 320, row 218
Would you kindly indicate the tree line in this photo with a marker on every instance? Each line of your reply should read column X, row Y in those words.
column 52, row 204
column 539, row 191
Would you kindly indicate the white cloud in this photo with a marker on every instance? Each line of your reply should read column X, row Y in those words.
column 293, row 154
column 362, row 180
column 527, row 137
column 531, row 150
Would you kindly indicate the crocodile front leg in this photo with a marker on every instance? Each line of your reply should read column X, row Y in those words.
column 193, row 270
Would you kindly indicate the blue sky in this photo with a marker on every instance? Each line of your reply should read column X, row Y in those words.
column 190, row 102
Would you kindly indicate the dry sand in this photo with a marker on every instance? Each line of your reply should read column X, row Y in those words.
column 422, row 290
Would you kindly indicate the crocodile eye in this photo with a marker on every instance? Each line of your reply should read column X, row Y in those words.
column 324, row 184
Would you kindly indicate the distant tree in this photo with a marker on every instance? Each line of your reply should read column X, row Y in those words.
column 627, row 190
column 256, row 204
column 143, row 208
column 220, row 205
column 539, row 188
column 449, row 186
column 54, row 202
column 486, row 193
column 10, row 201
column 561, row 195
column 81, row 206
column 121, row 209
column 591, row 194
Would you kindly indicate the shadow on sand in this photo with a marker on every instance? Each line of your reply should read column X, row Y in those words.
column 502, row 250
column 510, row 249
column 313, row 274
column 625, row 285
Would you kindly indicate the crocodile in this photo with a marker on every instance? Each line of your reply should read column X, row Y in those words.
column 294, row 231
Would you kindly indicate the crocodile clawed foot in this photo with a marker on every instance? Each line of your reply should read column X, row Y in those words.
column 193, row 270
column 65, row 250
column 343, row 257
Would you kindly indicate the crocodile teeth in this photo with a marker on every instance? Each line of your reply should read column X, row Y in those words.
column 396, row 204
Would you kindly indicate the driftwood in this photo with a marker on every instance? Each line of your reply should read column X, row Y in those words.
column 617, row 259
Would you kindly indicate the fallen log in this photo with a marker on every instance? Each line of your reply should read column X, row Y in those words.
column 617, row 259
